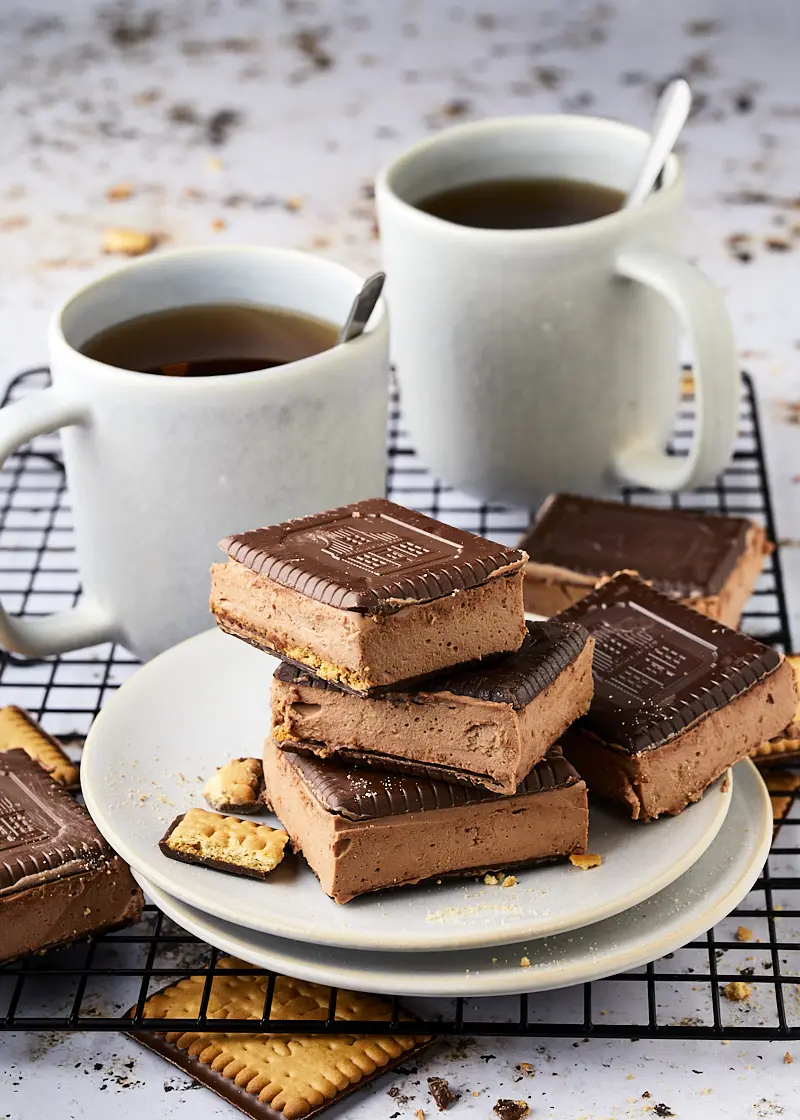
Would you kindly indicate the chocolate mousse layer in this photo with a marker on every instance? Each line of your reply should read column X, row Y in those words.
column 784, row 747
column 678, row 698
column 362, row 831
column 487, row 725
column 370, row 595
column 709, row 562
column 59, row 880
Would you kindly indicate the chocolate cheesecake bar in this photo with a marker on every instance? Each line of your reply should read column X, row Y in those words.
column 485, row 725
column 59, row 880
column 678, row 698
column 362, row 831
column 707, row 561
column 370, row 595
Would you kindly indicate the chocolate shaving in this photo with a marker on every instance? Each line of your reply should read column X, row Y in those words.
column 441, row 1092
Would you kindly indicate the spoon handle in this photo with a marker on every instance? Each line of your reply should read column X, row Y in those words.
column 671, row 113
column 363, row 306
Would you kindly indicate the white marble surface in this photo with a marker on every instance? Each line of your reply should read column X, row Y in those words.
column 305, row 101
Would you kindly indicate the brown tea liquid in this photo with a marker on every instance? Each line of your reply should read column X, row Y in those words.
column 523, row 203
column 210, row 339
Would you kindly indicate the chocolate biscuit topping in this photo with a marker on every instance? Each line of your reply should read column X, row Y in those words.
column 659, row 666
column 516, row 679
column 365, row 795
column 44, row 834
column 683, row 552
column 372, row 556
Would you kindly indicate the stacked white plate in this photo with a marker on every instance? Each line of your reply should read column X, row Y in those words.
column 207, row 700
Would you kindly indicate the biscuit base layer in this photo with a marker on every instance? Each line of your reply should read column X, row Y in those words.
column 275, row 1077
column 668, row 778
column 351, row 858
column 461, row 738
column 548, row 589
column 364, row 652
column 61, row 911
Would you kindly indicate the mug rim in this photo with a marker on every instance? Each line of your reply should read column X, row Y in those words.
column 384, row 179
column 375, row 329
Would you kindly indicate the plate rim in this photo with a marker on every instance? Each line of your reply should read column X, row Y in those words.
column 692, row 923
column 160, row 872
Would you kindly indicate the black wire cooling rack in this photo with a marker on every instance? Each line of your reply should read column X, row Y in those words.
column 93, row 986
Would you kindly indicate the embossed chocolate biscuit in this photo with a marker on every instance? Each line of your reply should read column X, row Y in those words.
column 59, row 880
column 236, row 787
column 371, row 557
column 708, row 561
column 366, row 795
column 659, row 666
column 275, row 1077
column 683, row 552
column 224, row 843
column 678, row 699
column 19, row 729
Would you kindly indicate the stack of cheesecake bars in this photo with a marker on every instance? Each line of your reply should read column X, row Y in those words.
column 421, row 728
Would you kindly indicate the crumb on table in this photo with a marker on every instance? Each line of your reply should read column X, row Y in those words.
column 744, row 934
column 737, row 991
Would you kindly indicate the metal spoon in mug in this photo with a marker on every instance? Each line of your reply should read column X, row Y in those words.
column 363, row 306
column 671, row 113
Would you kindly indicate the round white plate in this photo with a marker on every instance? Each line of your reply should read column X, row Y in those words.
column 207, row 700
column 694, row 903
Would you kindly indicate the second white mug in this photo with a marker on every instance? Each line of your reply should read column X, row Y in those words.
column 161, row 468
column 532, row 361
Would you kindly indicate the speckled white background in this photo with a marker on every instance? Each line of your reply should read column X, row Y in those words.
column 265, row 121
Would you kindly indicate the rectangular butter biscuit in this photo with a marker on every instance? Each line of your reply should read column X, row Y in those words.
column 274, row 1077
column 19, row 729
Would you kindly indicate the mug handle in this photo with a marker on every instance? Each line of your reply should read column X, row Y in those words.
column 701, row 310
column 86, row 624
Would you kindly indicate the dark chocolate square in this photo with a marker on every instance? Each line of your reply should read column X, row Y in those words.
column 684, row 552
column 659, row 666
column 43, row 832
column 515, row 679
column 371, row 556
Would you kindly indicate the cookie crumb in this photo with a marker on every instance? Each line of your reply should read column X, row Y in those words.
column 128, row 242
column 293, row 204
column 787, row 1059
column 737, row 991
column 419, row 1114
column 511, row 1110
column 509, row 881
column 490, row 880
column 585, row 861
column 119, row 192
column 214, row 163
column 744, row 934
column 441, row 1092
column 218, row 224
column 524, row 962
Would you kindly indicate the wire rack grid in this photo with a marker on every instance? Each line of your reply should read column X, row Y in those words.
column 102, row 984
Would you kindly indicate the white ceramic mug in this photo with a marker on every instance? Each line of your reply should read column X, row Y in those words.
column 547, row 359
column 160, row 469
